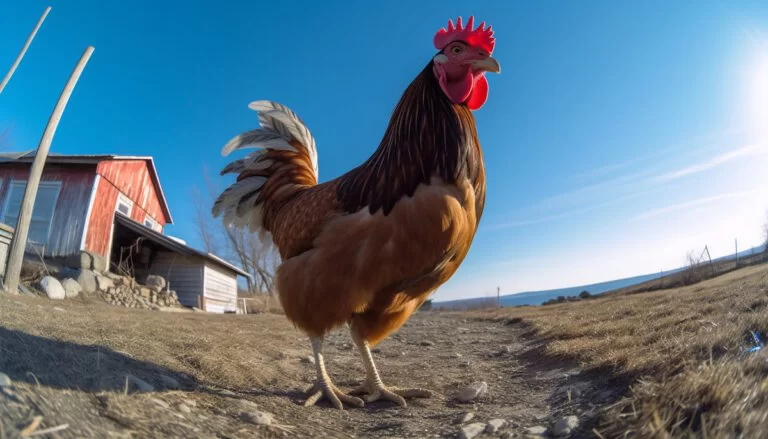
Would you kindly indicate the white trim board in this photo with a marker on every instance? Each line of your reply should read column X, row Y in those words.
column 87, row 223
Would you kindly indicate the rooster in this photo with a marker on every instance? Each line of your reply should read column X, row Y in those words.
column 367, row 249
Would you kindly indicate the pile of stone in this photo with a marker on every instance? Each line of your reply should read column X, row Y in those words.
column 87, row 273
column 123, row 291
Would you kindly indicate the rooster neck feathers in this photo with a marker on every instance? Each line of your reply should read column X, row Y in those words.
column 427, row 136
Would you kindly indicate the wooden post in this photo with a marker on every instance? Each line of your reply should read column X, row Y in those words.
column 24, row 49
column 19, row 243
column 709, row 256
column 498, row 297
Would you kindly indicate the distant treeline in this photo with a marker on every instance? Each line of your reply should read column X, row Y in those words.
column 562, row 299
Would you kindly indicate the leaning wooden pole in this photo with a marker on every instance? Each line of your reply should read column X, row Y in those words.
column 19, row 242
column 24, row 49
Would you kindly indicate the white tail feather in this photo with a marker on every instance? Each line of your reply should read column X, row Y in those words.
column 240, row 204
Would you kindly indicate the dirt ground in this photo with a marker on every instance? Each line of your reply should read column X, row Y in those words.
column 68, row 362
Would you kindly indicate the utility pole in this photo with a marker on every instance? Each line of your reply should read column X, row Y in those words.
column 24, row 49
column 19, row 242
column 498, row 296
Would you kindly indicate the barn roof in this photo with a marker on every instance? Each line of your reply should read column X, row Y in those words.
column 174, row 245
column 28, row 156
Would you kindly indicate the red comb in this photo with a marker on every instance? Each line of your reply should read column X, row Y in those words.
column 481, row 37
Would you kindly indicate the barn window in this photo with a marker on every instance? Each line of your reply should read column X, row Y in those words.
column 124, row 205
column 42, row 212
column 151, row 223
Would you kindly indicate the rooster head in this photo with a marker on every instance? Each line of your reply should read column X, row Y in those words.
column 463, row 60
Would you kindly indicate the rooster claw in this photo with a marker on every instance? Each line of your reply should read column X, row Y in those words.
column 331, row 393
column 394, row 394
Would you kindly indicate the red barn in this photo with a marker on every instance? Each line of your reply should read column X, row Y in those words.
column 104, row 204
column 78, row 198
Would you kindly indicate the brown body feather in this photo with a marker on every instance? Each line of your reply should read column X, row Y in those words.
column 370, row 246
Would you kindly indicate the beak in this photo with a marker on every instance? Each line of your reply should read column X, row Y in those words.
column 489, row 65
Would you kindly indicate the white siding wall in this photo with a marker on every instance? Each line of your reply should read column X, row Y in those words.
column 184, row 275
column 220, row 289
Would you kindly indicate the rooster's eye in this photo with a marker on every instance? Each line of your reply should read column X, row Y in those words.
column 456, row 49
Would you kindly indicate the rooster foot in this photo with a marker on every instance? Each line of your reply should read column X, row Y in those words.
column 332, row 393
column 375, row 392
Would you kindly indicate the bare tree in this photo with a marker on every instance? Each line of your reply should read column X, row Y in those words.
column 254, row 256
column 202, row 219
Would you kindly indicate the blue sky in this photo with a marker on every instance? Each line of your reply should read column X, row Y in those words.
column 619, row 136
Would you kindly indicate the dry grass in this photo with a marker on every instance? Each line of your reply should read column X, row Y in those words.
column 697, row 271
column 258, row 303
column 684, row 349
column 92, row 345
column 485, row 303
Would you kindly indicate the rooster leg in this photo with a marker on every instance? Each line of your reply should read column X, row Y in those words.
column 324, row 386
column 374, row 387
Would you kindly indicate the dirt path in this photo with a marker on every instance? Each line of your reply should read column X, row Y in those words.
column 439, row 351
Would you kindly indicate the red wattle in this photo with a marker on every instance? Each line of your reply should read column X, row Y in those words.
column 457, row 91
column 470, row 90
column 479, row 93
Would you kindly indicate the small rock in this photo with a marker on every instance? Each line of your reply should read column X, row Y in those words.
column 565, row 426
column 190, row 402
column 140, row 384
column 155, row 282
column 308, row 359
column 226, row 392
column 457, row 355
column 426, row 343
column 87, row 280
column 59, row 309
column 5, row 380
column 537, row 430
column 71, row 287
column 104, row 283
column 472, row 391
column 160, row 403
column 52, row 288
column 472, row 430
column 257, row 417
column 494, row 425
column 169, row 383
column 465, row 417
column 184, row 408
